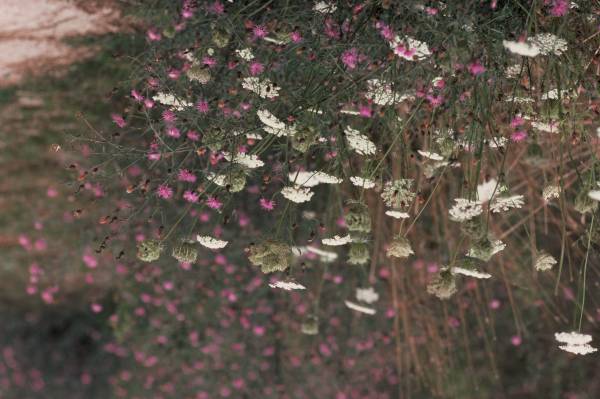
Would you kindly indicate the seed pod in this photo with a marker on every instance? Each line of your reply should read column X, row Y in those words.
column 358, row 254
column 185, row 251
column 149, row 250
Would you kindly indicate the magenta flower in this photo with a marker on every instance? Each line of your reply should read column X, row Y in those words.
column 267, row 205
column 169, row 116
column 213, row 203
column 256, row 68
column 209, row 61
column 476, row 69
column 186, row 175
column 173, row 132
column 164, row 191
column 193, row 135
column 365, row 111
column 118, row 120
column 559, row 8
column 191, row 196
column 518, row 136
column 296, row 36
column 136, row 95
column 202, row 106
column 350, row 58
column 259, row 31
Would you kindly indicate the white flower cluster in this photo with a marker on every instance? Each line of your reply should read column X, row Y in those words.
column 337, row 240
column 554, row 94
column 503, row 204
column 360, row 308
column 410, row 49
column 497, row 246
column 249, row 161
column 171, row 101
column 544, row 261
column 359, row 142
column 311, row 179
column 324, row 7
column 543, row 43
column 550, row 192
column 434, row 156
column 575, row 342
column 551, row 127
column 245, row 54
column 210, row 242
column 362, row 182
column 381, row 93
column 470, row 272
column 465, row 209
column 397, row 214
column 264, row 88
column 273, row 125
column 547, row 43
column 297, row 194
column 367, row 295
column 287, row 285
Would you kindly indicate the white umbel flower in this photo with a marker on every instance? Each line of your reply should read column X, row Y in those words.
column 337, row 240
column 171, row 101
column 409, row 48
column 360, row 308
column 503, row 204
column 521, row 48
column 576, row 343
column 550, row 192
column 273, row 125
column 544, row 261
column 210, row 242
column 381, row 93
column 297, row 194
column 547, row 44
column 431, row 155
column 554, row 94
column 287, row 285
column 324, row 7
column 470, row 272
column 245, row 54
column 465, row 209
column 573, row 338
column 367, row 295
column 359, row 142
column 249, row 161
column 362, row 182
column 397, row 214
column 584, row 349
column 549, row 127
column 311, row 179
column 264, row 88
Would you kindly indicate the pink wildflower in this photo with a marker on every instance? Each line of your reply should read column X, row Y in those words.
column 164, row 191
column 476, row 69
column 365, row 111
column 213, row 203
column 350, row 58
column 518, row 136
column 296, row 36
column 256, row 68
column 191, row 196
column 193, row 135
column 153, row 35
column 173, row 132
column 202, row 106
column 169, row 116
column 186, row 175
column 517, row 121
column 267, row 205
column 118, row 119
column 209, row 61
column 259, row 31
column 559, row 8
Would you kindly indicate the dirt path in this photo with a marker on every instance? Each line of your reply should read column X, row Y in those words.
column 31, row 34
